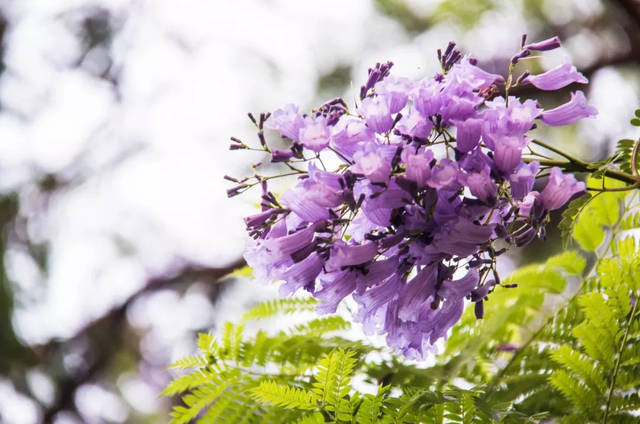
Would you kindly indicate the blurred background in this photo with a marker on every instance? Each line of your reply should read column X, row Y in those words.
column 115, row 116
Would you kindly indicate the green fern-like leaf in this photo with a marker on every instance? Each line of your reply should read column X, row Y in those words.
column 190, row 362
column 416, row 404
column 312, row 418
column 622, row 155
column 626, row 403
column 202, row 396
column 322, row 325
column 576, row 391
column 187, row 382
column 232, row 346
column 581, row 366
column 370, row 409
column 287, row 397
column 207, row 344
column 333, row 378
column 280, row 306
column 598, row 333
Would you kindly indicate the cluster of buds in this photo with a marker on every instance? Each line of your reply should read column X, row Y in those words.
column 433, row 180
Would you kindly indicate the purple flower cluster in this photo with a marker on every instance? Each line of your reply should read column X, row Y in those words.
column 430, row 187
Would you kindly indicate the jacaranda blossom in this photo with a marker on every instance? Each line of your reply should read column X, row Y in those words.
column 401, row 201
column 558, row 77
column 570, row 112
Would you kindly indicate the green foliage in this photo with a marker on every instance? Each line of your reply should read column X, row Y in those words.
column 598, row 217
column 285, row 396
column 302, row 375
column 569, row 215
column 622, row 157
column 563, row 346
column 511, row 316
column 333, row 382
column 279, row 306
column 636, row 121
column 370, row 409
column 598, row 367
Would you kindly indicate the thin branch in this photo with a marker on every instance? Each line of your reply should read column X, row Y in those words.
column 581, row 166
column 627, row 188
column 559, row 152
column 618, row 360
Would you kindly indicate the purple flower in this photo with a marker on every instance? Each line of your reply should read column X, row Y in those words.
column 465, row 72
column 280, row 155
column 468, row 135
column 374, row 162
column 379, row 202
column 570, row 112
column 446, row 317
column 374, row 302
column 301, row 274
column 481, row 185
column 523, row 178
column 444, row 175
column 267, row 255
column 416, row 293
column 414, row 124
column 409, row 338
column 508, row 152
column 287, row 244
column 397, row 213
column 418, row 165
column 314, row 135
column 344, row 254
column 427, row 97
column 520, row 55
column 462, row 238
column 459, row 107
column 558, row 77
column 459, row 289
column 287, row 121
column 335, row 286
column 307, row 200
column 348, row 135
column 260, row 218
column 526, row 205
column 396, row 90
column 560, row 188
column 376, row 74
column 312, row 197
column 548, row 44
column 476, row 160
column 516, row 119
column 520, row 115
column 377, row 113
column 360, row 226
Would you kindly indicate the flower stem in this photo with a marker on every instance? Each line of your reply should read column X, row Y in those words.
column 574, row 164
column 581, row 166
column 559, row 152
